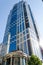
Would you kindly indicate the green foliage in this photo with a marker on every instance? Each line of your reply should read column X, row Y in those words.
column 34, row 60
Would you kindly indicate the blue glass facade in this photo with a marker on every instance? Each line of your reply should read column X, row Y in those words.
column 22, row 29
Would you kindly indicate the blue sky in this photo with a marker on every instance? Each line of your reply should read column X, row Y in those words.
column 36, row 7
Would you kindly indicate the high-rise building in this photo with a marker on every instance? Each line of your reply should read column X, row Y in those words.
column 21, row 38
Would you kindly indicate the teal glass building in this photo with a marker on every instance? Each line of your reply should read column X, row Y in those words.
column 21, row 31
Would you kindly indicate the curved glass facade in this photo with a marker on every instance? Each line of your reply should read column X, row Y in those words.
column 22, row 29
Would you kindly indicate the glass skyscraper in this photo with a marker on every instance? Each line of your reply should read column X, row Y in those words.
column 21, row 33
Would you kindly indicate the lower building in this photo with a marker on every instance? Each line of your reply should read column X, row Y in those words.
column 15, row 58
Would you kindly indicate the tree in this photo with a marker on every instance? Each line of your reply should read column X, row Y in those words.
column 34, row 60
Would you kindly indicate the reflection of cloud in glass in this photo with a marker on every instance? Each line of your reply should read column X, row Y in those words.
column 41, row 42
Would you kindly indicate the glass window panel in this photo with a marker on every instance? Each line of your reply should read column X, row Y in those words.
column 22, row 20
column 14, row 18
column 17, row 23
column 25, row 48
column 24, row 33
column 21, row 47
column 24, row 37
column 13, row 38
column 27, row 35
column 17, row 47
column 23, row 25
column 20, row 28
column 13, row 42
column 27, row 25
column 20, row 35
column 27, row 31
column 5, row 39
column 17, row 29
column 17, row 36
column 29, row 47
column 13, row 30
column 20, row 39
column 15, row 7
column 12, row 47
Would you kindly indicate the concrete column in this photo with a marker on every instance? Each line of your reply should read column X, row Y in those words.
column 24, row 61
column 14, row 62
column 11, row 61
column 5, row 62
column 20, row 61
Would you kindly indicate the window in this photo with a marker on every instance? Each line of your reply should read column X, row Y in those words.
column 14, row 8
column 17, row 36
column 17, row 29
column 27, row 31
column 20, row 35
column 25, row 47
column 29, row 47
column 13, row 38
column 20, row 28
column 24, row 33
column 13, row 31
column 17, row 47
column 27, row 35
column 27, row 24
column 14, row 18
column 12, row 47
column 21, row 47
column 20, row 39
column 23, row 25
column 24, row 37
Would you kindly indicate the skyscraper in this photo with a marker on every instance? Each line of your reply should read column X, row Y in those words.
column 21, row 38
